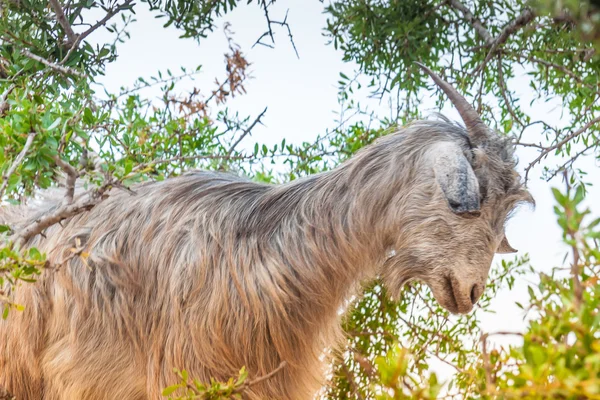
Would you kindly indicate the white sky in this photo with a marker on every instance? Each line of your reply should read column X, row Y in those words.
column 301, row 95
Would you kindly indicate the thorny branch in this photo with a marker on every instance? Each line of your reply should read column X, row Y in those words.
column 16, row 163
column 245, row 133
column 269, row 31
column 86, row 201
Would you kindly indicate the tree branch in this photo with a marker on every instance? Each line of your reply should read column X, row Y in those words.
column 85, row 203
column 111, row 13
column 62, row 20
column 473, row 20
column 16, row 163
column 526, row 16
column 72, row 175
column 3, row 100
column 56, row 67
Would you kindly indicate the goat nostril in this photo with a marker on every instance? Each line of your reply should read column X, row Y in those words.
column 474, row 294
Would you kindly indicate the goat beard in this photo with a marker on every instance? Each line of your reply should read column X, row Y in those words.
column 399, row 270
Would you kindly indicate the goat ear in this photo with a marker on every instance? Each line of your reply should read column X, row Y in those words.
column 455, row 176
column 505, row 247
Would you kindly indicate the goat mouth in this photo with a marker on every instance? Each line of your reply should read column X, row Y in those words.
column 451, row 303
column 447, row 293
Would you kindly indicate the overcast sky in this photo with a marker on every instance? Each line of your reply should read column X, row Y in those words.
column 301, row 96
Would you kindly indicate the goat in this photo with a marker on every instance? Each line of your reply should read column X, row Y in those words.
column 211, row 272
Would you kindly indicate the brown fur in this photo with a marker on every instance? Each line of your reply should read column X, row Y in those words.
column 210, row 272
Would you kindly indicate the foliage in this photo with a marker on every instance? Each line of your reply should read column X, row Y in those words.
column 59, row 126
column 480, row 47
column 583, row 16
column 214, row 391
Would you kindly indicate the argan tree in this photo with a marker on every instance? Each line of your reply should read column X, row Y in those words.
column 58, row 126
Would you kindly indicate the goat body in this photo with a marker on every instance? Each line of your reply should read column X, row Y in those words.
column 208, row 272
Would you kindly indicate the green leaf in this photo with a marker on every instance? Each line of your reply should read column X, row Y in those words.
column 88, row 117
column 170, row 390
column 56, row 122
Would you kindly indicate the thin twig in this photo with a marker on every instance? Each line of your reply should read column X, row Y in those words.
column 269, row 31
column 569, row 163
column 563, row 69
column 504, row 333
column 575, row 267
column 486, row 363
column 245, row 133
column 146, row 85
column 536, row 145
column 351, row 378
column 503, row 91
column 287, row 26
column 106, row 18
column 16, row 163
column 558, row 145
column 263, row 378
column 60, row 68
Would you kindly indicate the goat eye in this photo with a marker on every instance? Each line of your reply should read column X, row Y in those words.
column 453, row 204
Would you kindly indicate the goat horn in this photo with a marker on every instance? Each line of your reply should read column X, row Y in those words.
column 475, row 126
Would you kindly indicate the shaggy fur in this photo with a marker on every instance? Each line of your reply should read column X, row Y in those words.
column 210, row 272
